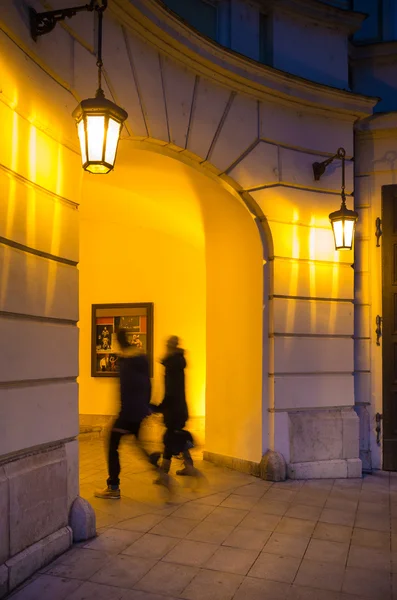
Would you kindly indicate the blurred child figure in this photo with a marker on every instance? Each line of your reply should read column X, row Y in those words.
column 135, row 393
column 177, row 440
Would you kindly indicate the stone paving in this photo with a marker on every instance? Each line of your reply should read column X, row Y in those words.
column 239, row 537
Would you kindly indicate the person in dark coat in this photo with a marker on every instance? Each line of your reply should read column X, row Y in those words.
column 177, row 440
column 135, row 393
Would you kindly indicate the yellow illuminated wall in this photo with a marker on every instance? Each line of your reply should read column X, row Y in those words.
column 40, row 178
column 234, row 417
column 144, row 242
column 158, row 231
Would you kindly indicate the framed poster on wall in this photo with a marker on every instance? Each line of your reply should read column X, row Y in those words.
column 136, row 318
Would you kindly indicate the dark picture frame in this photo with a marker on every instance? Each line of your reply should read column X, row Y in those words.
column 136, row 318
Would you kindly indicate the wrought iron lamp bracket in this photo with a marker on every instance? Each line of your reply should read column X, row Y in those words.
column 42, row 23
column 319, row 168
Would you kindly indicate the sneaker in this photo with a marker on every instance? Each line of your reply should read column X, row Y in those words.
column 108, row 493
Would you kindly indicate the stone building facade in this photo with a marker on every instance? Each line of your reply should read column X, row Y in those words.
column 212, row 213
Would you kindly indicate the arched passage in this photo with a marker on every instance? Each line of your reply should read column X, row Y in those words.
column 158, row 230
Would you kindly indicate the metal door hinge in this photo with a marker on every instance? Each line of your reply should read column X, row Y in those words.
column 378, row 330
column 378, row 419
column 378, row 231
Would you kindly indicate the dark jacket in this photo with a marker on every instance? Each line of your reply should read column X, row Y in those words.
column 135, row 387
column 174, row 407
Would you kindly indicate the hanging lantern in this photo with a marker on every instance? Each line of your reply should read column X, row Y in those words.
column 343, row 223
column 99, row 122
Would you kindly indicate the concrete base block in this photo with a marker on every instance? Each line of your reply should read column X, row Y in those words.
column 23, row 565
column 3, row 580
column 273, row 466
column 325, row 469
column 82, row 520
column 354, row 467
column 37, row 486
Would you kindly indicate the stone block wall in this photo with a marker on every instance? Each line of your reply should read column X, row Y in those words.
column 39, row 192
column 34, row 511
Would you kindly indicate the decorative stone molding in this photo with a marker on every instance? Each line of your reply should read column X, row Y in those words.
column 33, row 513
column 320, row 13
column 273, row 467
column 169, row 34
column 82, row 520
column 377, row 53
column 237, row 464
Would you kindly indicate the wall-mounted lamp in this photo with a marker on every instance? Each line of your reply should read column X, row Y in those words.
column 99, row 121
column 344, row 220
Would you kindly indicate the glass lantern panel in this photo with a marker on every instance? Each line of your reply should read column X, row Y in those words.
column 96, row 134
column 112, row 140
column 337, row 226
column 349, row 230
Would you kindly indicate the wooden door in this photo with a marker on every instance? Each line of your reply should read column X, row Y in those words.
column 389, row 325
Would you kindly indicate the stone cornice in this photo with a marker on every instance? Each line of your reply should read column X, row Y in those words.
column 380, row 125
column 345, row 21
column 170, row 35
column 377, row 52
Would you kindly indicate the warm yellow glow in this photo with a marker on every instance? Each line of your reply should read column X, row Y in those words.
column 55, row 228
column 112, row 139
column 15, row 142
column 100, row 136
column 155, row 236
column 81, row 134
column 31, row 208
column 12, row 183
column 32, row 163
column 294, row 278
column 312, row 272
column 95, row 136
column 171, row 239
column 349, row 231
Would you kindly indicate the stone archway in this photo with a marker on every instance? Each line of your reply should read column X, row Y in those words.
column 198, row 253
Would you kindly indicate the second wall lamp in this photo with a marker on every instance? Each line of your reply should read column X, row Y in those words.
column 343, row 221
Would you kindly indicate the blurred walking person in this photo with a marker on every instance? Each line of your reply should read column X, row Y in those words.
column 135, row 393
column 177, row 440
